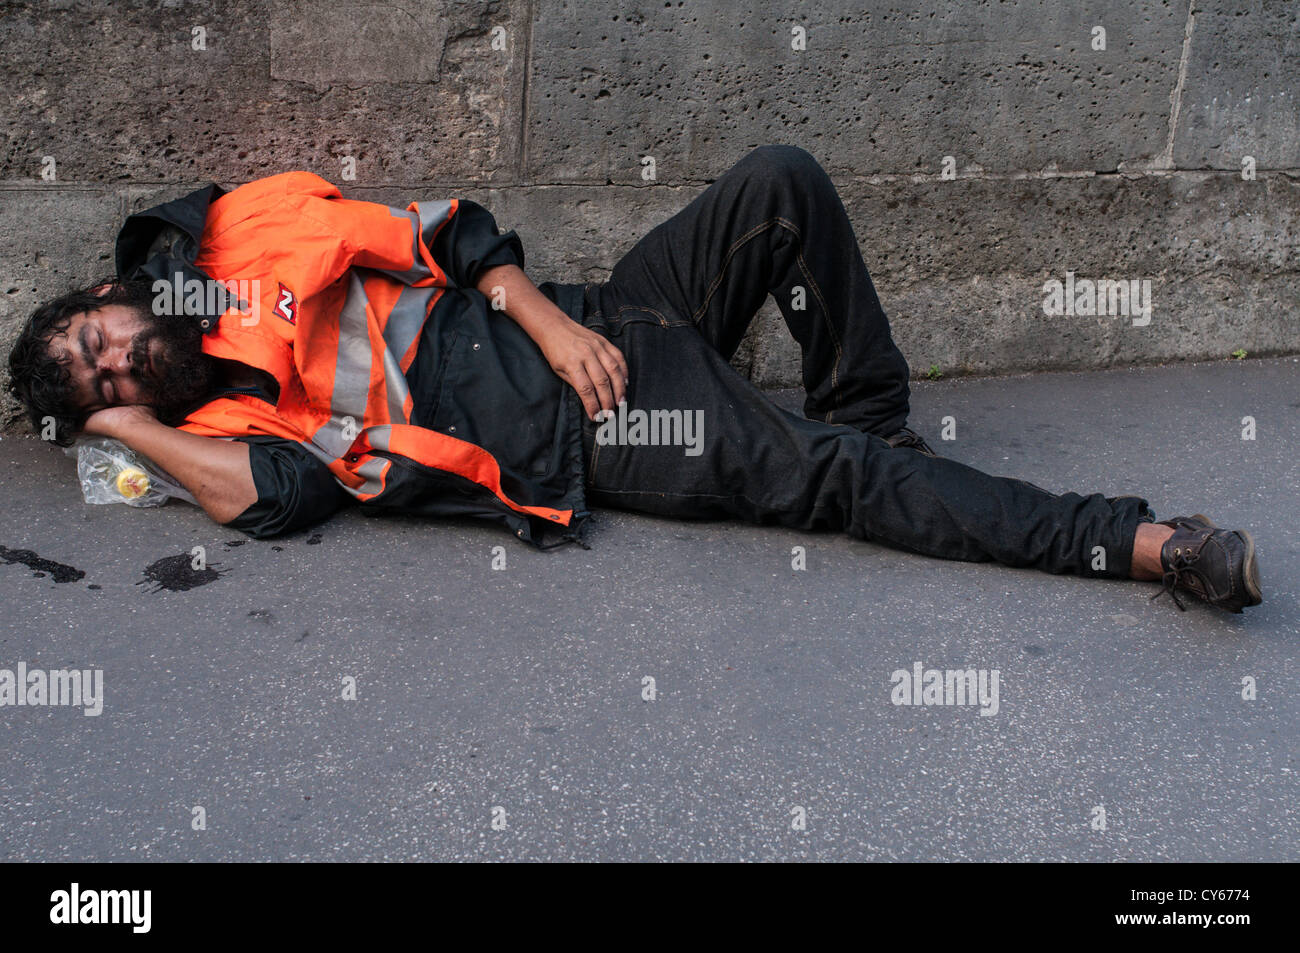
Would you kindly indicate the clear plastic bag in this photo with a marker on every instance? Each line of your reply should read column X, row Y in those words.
column 111, row 472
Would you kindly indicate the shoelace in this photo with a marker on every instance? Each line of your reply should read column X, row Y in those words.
column 1174, row 576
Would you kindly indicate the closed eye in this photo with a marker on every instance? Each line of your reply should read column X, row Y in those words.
column 103, row 391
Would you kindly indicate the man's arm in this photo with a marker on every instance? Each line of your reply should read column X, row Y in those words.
column 472, row 252
column 216, row 472
column 589, row 363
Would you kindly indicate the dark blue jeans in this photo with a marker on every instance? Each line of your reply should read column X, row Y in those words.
column 677, row 306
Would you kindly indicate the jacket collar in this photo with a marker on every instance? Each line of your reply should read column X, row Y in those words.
column 163, row 241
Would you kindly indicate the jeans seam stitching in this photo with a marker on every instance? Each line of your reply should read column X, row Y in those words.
column 726, row 261
column 640, row 307
column 836, row 396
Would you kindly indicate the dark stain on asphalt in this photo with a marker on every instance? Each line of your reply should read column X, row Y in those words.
column 41, row 566
column 1035, row 650
column 277, row 549
column 315, row 540
column 232, row 543
column 177, row 574
column 261, row 615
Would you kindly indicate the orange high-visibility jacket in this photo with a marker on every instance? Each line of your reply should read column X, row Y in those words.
column 340, row 294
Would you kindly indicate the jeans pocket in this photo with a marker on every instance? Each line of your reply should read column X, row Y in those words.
column 641, row 314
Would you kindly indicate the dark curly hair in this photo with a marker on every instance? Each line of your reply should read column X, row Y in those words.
column 43, row 385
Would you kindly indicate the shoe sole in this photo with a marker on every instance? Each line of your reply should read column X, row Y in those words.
column 1250, row 571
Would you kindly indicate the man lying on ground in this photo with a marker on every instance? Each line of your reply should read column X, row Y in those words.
column 362, row 356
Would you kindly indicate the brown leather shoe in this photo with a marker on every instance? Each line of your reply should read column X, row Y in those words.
column 1213, row 564
column 906, row 437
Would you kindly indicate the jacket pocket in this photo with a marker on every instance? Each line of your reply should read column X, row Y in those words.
column 427, row 410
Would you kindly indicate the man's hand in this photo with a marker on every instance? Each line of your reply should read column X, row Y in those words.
column 114, row 421
column 580, row 357
column 589, row 364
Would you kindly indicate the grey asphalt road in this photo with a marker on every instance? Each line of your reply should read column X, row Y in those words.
column 500, row 713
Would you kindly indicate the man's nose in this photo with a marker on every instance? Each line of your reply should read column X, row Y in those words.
column 115, row 360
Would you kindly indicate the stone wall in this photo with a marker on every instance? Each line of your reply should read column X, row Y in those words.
column 982, row 148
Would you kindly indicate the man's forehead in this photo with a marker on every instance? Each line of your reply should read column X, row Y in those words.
column 109, row 316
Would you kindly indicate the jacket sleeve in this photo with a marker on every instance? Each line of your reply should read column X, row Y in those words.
column 428, row 243
column 294, row 489
column 470, row 244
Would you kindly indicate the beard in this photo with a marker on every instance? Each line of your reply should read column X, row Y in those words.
column 182, row 375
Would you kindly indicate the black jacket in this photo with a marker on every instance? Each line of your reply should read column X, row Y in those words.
column 488, row 400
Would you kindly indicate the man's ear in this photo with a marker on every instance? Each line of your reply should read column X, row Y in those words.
column 101, row 290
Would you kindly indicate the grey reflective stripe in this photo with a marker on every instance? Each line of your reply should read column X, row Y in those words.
column 395, row 384
column 406, row 320
column 351, row 375
column 432, row 215
column 353, row 362
column 423, row 226
column 372, row 470
column 418, row 270
column 404, row 325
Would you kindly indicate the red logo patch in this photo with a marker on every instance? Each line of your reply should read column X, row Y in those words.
column 286, row 305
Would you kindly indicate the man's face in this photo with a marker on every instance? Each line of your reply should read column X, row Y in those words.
column 120, row 355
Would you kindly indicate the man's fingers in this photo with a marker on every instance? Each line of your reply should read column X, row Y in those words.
column 585, row 390
column 611, row 358
column 621, row 361
column 599, row 377
column 597, row 371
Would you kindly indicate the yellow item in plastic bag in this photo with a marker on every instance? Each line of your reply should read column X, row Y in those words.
column 111, row 472
column 132, row 483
